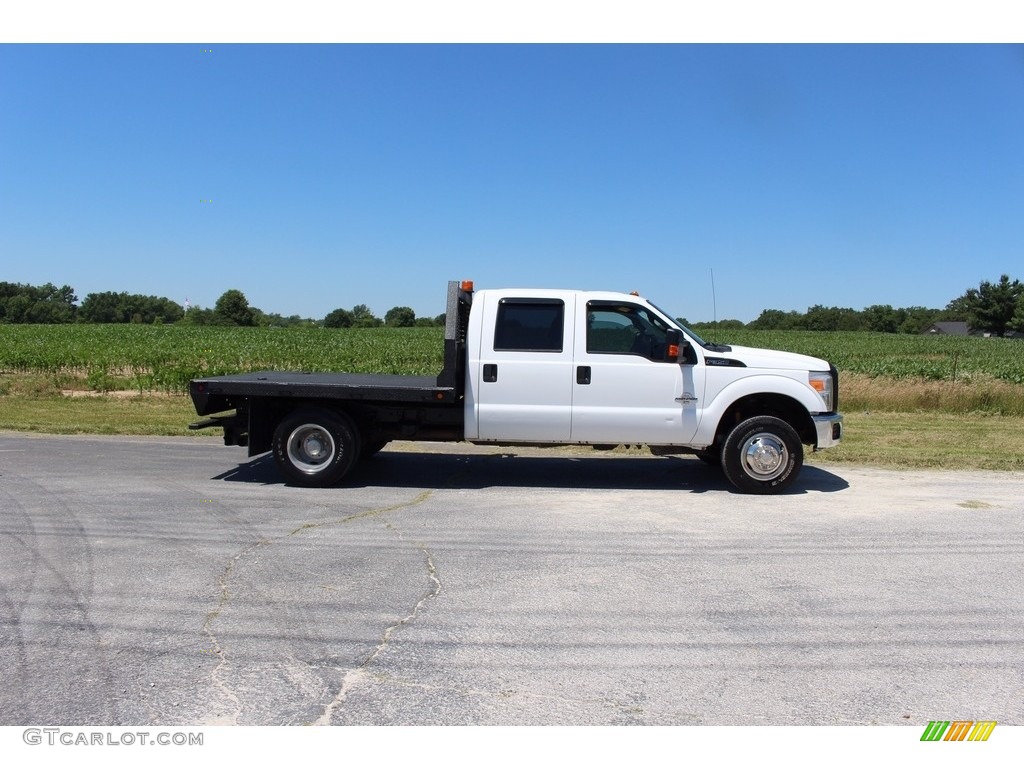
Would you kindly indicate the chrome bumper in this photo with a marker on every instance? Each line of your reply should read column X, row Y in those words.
column 829, row 427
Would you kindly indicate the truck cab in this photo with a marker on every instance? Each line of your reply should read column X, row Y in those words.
column 610, row 368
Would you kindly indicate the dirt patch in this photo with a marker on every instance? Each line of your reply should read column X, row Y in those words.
column 116, row 394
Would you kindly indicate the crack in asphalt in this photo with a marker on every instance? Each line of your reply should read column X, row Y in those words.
column 224, row 581
column 354, row 676
column 419, row 499
column 216, row 675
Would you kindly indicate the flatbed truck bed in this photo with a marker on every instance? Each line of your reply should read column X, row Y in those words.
column 214, row 393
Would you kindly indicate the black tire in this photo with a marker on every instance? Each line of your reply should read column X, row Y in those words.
column 762, row 455
column 710, row 457
column 315, row 447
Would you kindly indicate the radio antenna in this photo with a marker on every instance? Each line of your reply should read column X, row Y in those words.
column 714, row 302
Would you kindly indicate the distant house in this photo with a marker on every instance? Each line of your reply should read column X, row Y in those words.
column 952, row 328
column 947, row 328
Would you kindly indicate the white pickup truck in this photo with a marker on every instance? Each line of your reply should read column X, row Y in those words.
column 552, row 367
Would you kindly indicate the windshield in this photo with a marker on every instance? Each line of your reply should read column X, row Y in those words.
column 689, row 332
column 685, row 329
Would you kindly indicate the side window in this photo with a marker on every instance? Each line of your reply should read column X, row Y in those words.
column 609, row 331
column 625, row 329
column 529, row 325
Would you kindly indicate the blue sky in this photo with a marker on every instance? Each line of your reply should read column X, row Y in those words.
column 313, row 177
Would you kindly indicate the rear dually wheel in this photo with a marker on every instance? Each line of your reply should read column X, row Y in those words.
column 315, row 447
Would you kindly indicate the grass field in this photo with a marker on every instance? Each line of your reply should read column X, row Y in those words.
column 916, row 401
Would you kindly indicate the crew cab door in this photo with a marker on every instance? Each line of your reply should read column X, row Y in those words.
column 625, row 390
column 523, row 374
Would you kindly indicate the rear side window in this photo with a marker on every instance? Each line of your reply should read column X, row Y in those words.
column 529, row 325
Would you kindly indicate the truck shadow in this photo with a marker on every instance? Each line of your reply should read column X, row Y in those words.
column 400, row 469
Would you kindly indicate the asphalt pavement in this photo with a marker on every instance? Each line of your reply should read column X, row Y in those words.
column 148, row 581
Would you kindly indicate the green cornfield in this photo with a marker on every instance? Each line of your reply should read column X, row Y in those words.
column 165, row 358
column 897, row 356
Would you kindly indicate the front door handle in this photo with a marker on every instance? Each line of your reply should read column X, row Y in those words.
column 583, row 374
column 490, row 372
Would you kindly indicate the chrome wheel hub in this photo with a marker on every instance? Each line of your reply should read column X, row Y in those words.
column 764, row 456
column 310, row 448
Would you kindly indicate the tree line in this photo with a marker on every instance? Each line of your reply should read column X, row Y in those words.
column 48, row 304
column 993, row 308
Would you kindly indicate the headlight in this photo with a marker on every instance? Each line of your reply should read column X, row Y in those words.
column 821, row 382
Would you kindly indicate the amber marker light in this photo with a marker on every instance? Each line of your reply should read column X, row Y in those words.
column 467, row 286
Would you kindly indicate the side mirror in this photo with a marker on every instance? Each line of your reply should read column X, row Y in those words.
column 674, row 342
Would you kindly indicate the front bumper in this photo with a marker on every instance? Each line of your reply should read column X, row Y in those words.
column 829, row 427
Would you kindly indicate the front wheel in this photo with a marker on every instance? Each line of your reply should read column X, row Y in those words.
column 314, row 447
column 762, row 454
column 710, row 457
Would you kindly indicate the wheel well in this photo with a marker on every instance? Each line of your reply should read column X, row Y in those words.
column 374, row 421
column 266, row 413
column 779, row 406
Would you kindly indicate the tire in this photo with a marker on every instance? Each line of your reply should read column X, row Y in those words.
column 762, row 455
column 710, row 457
column 315, row 447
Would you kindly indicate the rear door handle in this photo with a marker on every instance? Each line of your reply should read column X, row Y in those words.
column 583, row 374
column 490, row 372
